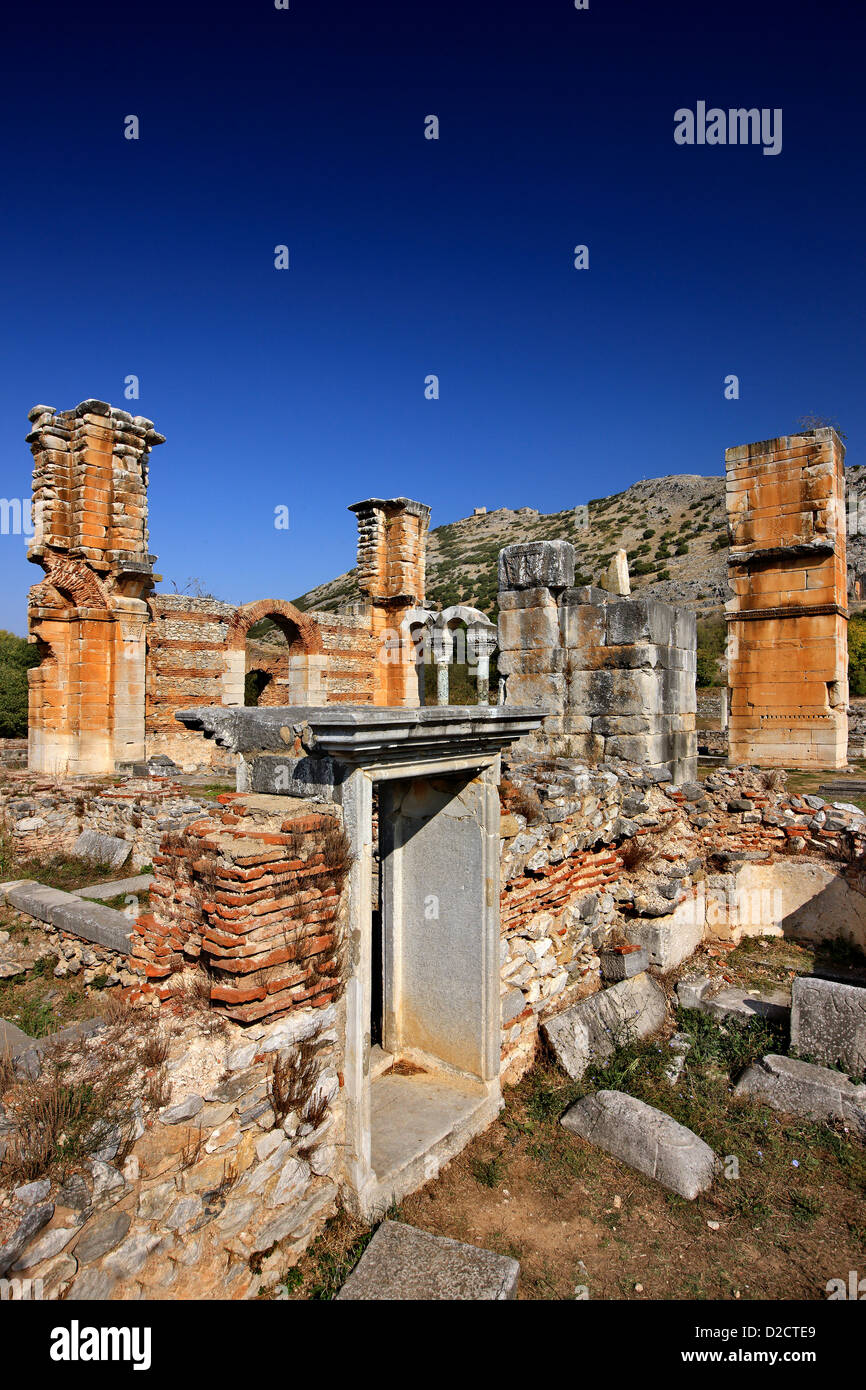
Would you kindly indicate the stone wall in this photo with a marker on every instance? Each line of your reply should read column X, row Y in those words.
column 45, row 817
column 787, row 621
column 594, row 856
column 616, row 674
column 221, row 1188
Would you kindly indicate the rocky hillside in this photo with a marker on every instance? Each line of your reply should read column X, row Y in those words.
column 673, row 528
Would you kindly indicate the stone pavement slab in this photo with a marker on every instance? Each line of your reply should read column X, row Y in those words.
column 404, row 1263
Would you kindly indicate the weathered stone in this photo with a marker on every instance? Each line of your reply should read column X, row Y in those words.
column 45, row 1247
column 828, row 1022
column 185, row 1211
column 591, row 1030
column 101, row 1234
column 801, row 1088
column 29, row 1194
column 130, row 1257
column 537, row 564
column 183, row 1111
column 154, row 1201
column 13, row 1247
column 404, row 1263
column 102, row 849
column 645, row 1138
column 622, row 965
column 92, row 1285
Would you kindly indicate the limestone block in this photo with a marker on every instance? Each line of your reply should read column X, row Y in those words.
column 537, row 564
column 828, row 1022
column 673, row 938
column 591, row 1030
column 521, row 628
column 404, row 1263
column 102, row 849
column 801, row 1088
column 645, row 1139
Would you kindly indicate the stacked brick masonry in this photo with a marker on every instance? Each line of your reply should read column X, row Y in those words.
column 186, row 646
column 89, row 612
column 351, row 652
column 254, row 893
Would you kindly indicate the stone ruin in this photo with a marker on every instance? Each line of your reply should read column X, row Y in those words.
column 403, row 897
column 788, row 619
column 614, row 675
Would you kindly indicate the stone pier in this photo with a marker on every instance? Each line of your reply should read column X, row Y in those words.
column 615, row 676
column 392, row 549
column 88, row 616
column 788, row 619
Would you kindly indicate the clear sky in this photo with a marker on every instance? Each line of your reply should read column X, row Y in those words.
column 305, row 387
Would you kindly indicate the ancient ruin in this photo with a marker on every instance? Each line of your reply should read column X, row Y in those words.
column 615, row 676
column 344, row 962
column 787, row 621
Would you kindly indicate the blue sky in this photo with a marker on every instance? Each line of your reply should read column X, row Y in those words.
column 305, row 388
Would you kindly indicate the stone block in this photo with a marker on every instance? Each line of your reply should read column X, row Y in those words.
column 537, row 564
column 674, row 937
column 591, row 1030
column 403, row 1263
column 619, row 965
column 102, row 849
column 828, row 1022
column 644, row 1138
column 801, row 1088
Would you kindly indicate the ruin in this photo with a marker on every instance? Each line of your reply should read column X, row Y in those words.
column 119, row 658
column 614, row 675
column 788, row 618
column 399, row 899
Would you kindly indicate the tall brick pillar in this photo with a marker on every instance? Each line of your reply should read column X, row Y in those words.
column 392, row 550
column 788, row 619
column 89, row 614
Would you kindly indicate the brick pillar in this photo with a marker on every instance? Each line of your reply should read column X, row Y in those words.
column 392, row 549
column 89, row 614
column 788, row 619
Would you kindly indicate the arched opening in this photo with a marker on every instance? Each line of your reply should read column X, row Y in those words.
column 464, row 641
column 274, row 656
column 268, row 647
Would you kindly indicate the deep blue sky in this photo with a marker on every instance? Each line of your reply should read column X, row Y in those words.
column 409, row 257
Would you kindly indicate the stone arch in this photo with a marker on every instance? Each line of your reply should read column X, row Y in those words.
column 300, row 631
column 302, row 683
column 480, row 643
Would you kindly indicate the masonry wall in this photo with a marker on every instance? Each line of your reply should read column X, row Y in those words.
column 616, row 674
column 787, row 621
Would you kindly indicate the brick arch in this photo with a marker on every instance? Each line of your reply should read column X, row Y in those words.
column 309, row 636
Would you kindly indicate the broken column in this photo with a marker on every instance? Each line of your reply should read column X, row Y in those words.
column 615, row 675
column 392, row 548
column 88, row 616
column 788, row 619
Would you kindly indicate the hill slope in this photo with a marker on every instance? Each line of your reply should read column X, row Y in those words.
column 673, row 529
